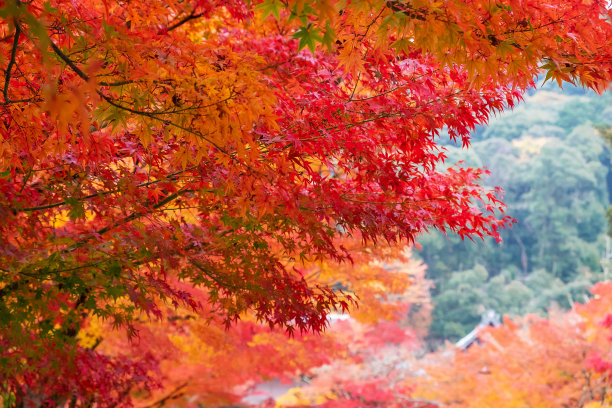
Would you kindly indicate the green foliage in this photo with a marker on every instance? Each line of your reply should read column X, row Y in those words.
column 580, row 111
column 553, row 166
column 309, row 36
column 464, row 297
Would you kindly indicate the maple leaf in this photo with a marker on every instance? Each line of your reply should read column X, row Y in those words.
column 270, row 7
column 309, row 37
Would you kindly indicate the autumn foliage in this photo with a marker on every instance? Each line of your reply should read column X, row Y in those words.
column 560, row 361
column 209, row 157
column 564, row 360
column 374, row 362
column 197, row 361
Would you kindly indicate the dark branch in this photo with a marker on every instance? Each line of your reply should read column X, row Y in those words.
column 79, row 72
column 68, row 61
column 9, row 68
column 125, row 220
column 176, row 393
column 190, row 17
column 170, row 177
column 136, row 215
column 118, row 83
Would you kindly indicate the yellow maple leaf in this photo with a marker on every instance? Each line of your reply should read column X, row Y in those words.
column 351, row 58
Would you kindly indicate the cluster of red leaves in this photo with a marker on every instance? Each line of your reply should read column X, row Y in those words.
column 375, row 370
column 54, row 376
column 374, row 363
column 200, row 362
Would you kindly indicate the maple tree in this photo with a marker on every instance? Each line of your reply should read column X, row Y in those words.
column 560, row 361
column 148, row 148
column 374, row 372
column 374, row 360
column 197, row 361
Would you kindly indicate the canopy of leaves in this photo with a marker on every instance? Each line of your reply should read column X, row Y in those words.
column 192, row 154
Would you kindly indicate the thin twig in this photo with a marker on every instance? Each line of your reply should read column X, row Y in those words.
column 172, row 395
column 169, row 177
column 152, row 115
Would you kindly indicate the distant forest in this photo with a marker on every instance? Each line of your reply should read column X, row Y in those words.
column 554, row 167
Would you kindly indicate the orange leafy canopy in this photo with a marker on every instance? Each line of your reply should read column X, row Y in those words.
column 561, row 361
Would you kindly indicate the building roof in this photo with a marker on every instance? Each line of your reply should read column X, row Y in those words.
column 490, row 318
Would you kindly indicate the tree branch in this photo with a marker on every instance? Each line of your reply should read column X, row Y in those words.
column 68, row 61
column 152, row 115
column 102, row 193
column 134, row 216
column 82, row 242
column 190, row 17
column 79, row 72
column 176, row 393
column 9, row 68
